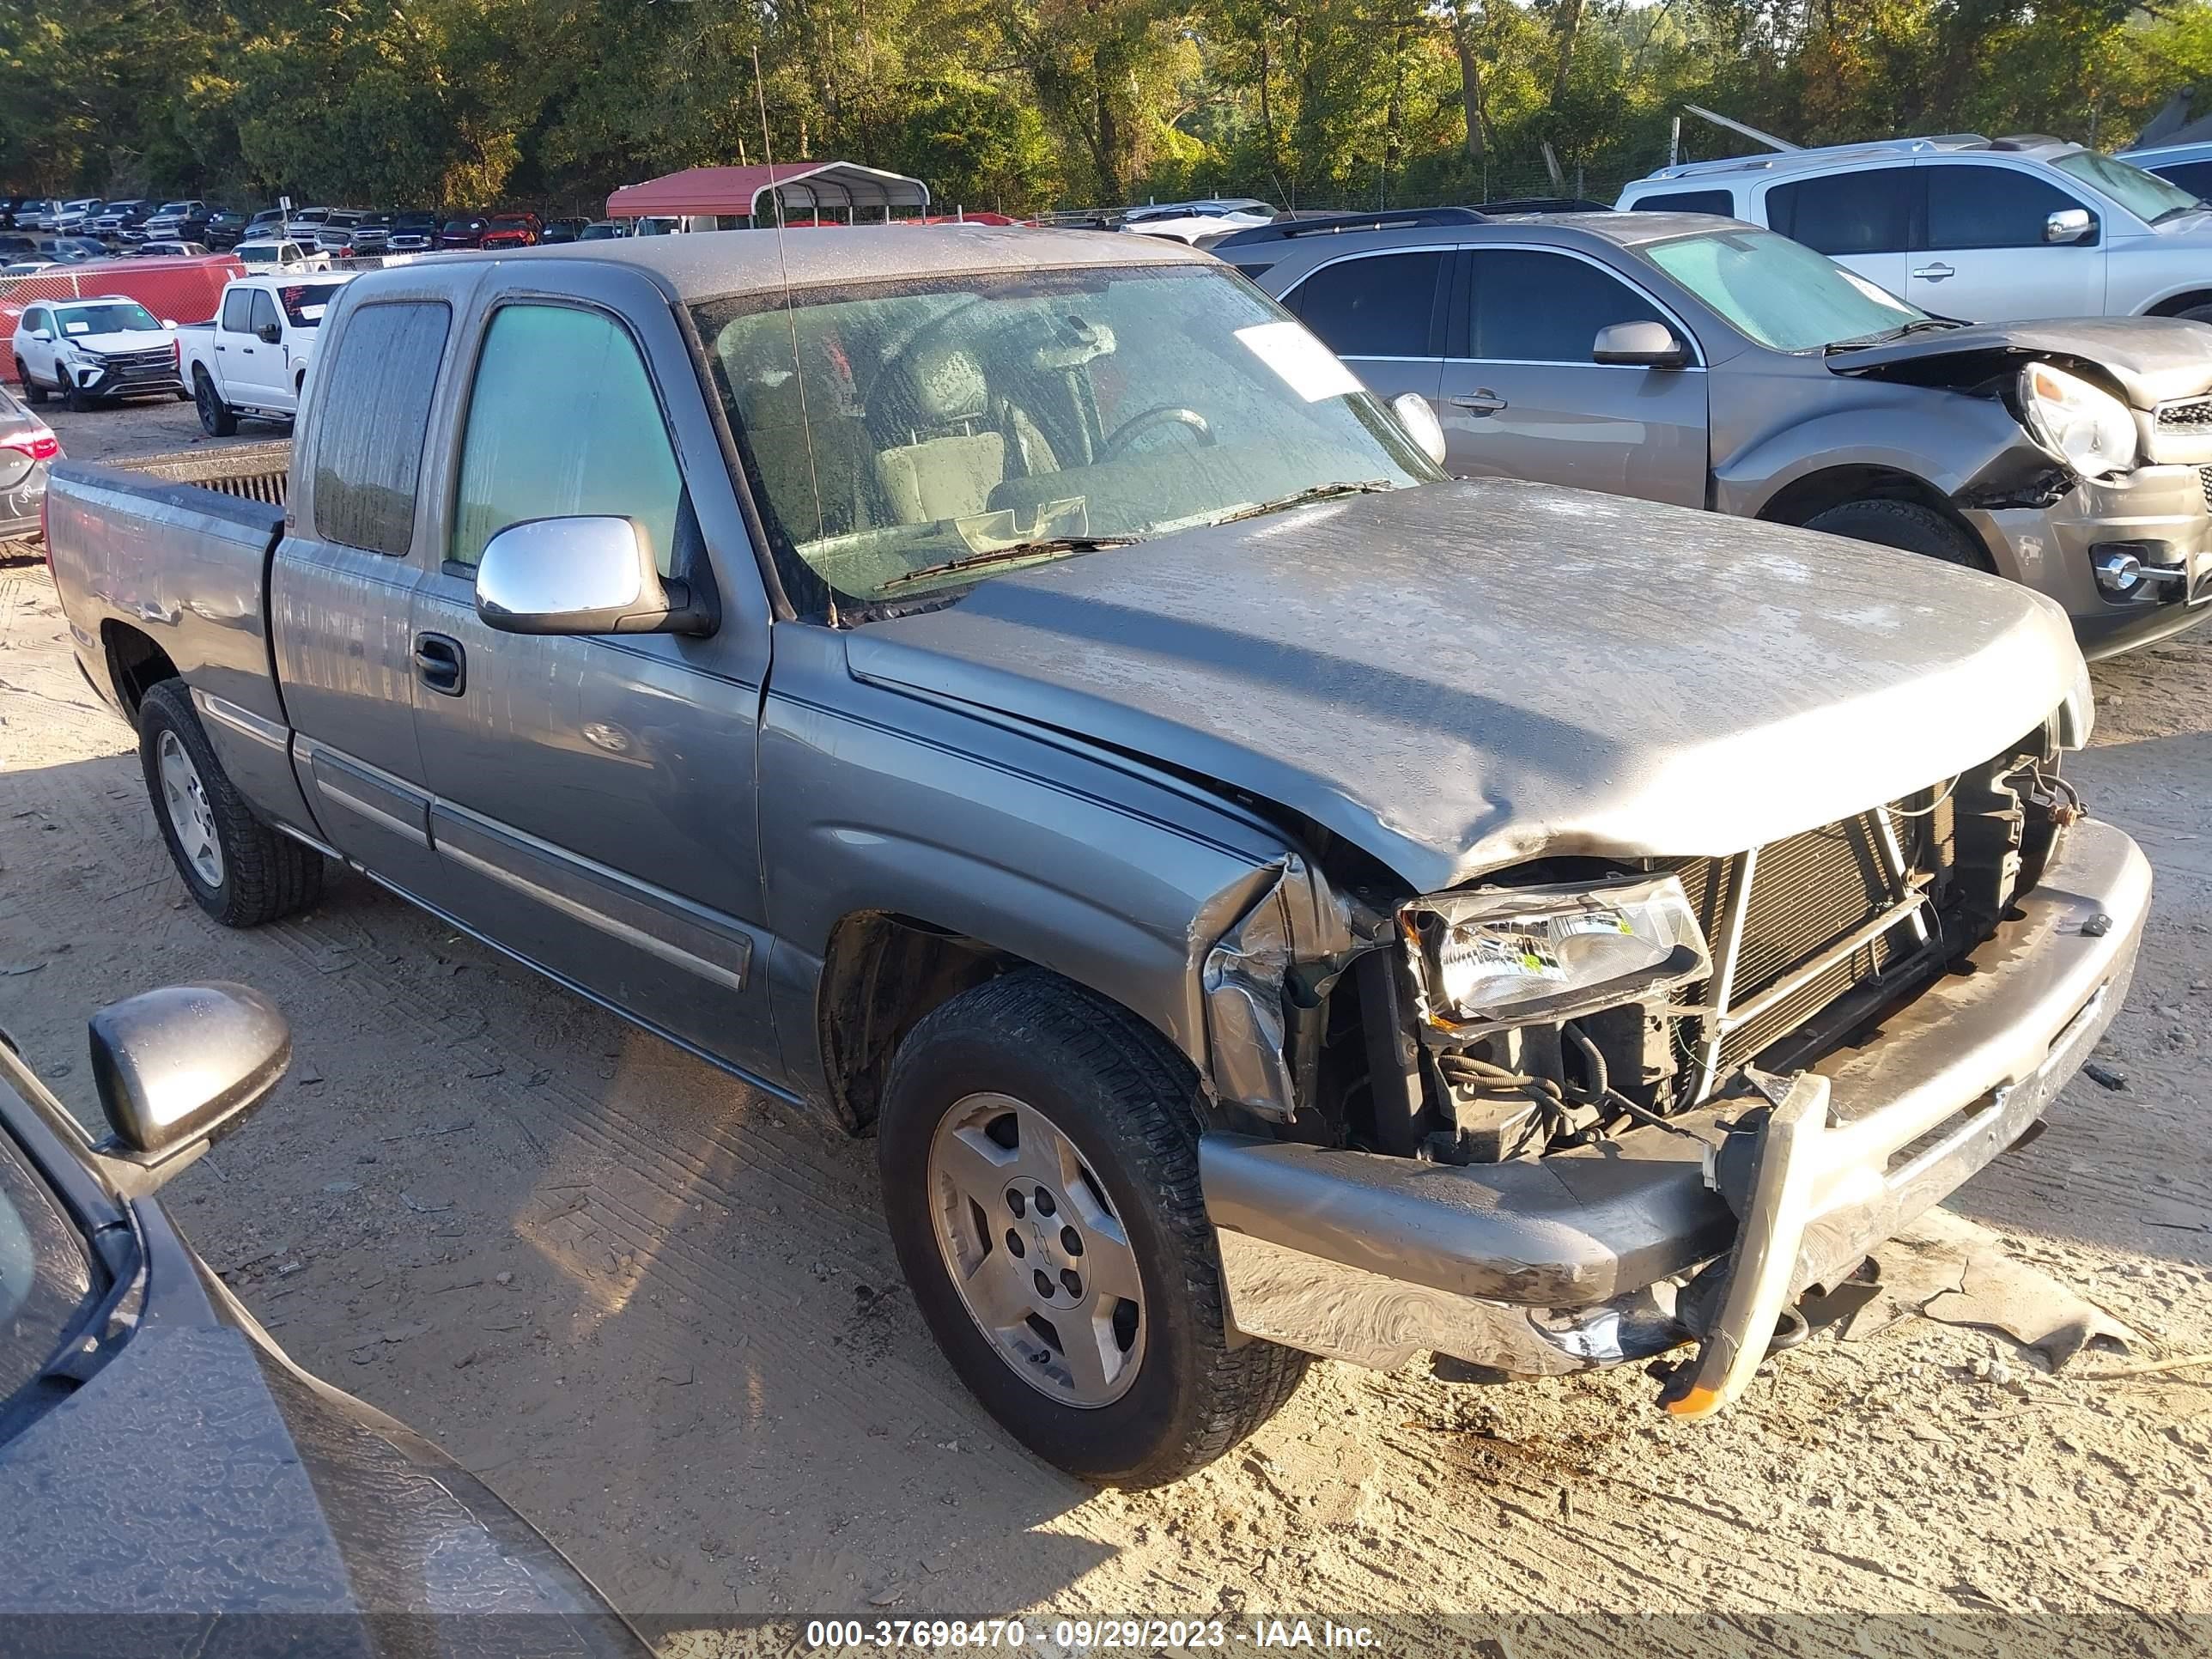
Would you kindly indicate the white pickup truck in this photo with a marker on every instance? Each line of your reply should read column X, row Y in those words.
column 252, row 357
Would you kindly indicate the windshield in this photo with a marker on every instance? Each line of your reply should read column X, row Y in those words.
column 934, row 421
column 1779, row 292
column 117, row 317
column 2145, row 195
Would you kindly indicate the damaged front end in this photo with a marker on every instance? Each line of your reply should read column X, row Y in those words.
column 1589, row 1111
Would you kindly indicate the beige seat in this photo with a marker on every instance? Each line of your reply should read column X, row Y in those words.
column 952, row 472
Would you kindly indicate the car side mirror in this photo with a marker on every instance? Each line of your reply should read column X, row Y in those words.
column 177, row 1068
column 1639, row 345
column 586, row 575
column 1421, row 424
column 2069, row 225
column 169, row 322
column 268, row 333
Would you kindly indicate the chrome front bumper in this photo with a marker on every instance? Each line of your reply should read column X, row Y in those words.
column 1549, row 1265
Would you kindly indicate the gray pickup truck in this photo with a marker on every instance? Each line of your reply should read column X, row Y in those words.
column 1016, row 694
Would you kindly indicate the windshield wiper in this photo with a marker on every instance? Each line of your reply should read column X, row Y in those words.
column 1028, row 550
column 1299, row 498
column 1859, row 341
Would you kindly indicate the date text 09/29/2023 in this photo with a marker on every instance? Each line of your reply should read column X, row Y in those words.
column 1087, row 1635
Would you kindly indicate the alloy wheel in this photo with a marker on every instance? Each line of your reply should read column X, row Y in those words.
column 1035, row 1250
column 185, row 797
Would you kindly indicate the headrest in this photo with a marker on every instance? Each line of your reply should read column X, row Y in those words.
column 948, row 385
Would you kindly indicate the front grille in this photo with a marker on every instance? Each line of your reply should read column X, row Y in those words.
column 1804, row 897
column 142, row 365
column 2185, row 414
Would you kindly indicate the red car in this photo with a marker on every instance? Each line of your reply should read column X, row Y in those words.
column 511, row 230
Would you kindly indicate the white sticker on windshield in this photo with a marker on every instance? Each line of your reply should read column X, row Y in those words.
column 77, row 328
column 1307, row 365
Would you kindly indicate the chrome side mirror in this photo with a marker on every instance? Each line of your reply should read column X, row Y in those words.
column 1421, row 424
column 585, row 574
column 2069, row 225
column 1639, row 345
column 177, row 1068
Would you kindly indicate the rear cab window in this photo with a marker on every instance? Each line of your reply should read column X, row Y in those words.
column 372, row 419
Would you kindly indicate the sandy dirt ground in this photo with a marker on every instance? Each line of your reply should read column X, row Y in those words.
column 660, row 1313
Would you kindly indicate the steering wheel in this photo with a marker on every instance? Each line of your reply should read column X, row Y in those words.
column 1162, row 415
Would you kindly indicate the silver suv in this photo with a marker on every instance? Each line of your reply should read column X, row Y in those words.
column 1688, row 358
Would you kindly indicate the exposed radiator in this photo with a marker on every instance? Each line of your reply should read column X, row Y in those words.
column 1793, row 925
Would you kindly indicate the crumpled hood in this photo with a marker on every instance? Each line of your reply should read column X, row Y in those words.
column 2150, row 359
column 1463, row 675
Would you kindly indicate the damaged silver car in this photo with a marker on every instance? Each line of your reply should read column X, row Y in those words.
column 1694, row 360
column 1017, row 694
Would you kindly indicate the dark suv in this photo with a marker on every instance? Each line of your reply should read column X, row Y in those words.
column 464, row 230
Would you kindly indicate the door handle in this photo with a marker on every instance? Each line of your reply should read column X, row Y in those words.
column 440, row 664
column 1935, row 273
column 1484, row 401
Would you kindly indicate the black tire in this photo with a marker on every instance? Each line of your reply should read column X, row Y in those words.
column 217, row 418
column 76, row 399
column 264, row 875
column 1126, row 1101
column 32, row 391
column 1908, row 526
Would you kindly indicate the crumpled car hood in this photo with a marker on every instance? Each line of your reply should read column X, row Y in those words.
column 2149, row 359
column 1463, row 675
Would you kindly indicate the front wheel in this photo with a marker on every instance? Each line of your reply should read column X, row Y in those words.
column 240, row 871
column 74, row 397
column 1039, row 1154
column 217, row 418
column 1910, row 526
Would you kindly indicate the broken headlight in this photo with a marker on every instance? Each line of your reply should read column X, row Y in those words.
column 2082, row 425
column 1510, row 956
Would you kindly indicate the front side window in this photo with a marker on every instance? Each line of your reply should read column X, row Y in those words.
column 372, row 420
column 1535, row 308
column 562, row 420
column 265, row 310
column 237, row 310
column 2152, row 199
column 1778, row 292
column 1021, row 415
column 1974, row 207
column 1375, row 307
column 1845, row 213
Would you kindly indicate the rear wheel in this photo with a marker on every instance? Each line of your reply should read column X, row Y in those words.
column 217, row 418
column 1039, row 1155
column 240, row 871
column 32, row 391
column 1908, row 526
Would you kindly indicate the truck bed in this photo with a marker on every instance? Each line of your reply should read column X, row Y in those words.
column 171, row 553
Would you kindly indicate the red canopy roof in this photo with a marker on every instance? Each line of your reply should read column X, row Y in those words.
column 816, row 188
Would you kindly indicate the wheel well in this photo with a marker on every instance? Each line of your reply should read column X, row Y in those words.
column 1807, row 498
column 135, row 664
column 2174, row 304
column 881, row 974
